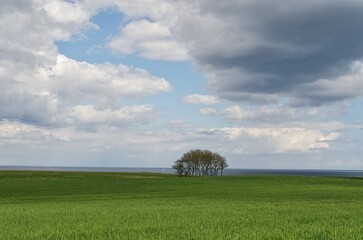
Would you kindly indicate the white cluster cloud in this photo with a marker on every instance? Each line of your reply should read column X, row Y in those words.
column 280, row 139
column 103, row 80
column 150, row 40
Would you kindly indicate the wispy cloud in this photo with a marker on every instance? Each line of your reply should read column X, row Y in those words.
column 201, row 99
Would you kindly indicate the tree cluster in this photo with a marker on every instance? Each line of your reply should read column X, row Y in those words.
column 200, row 163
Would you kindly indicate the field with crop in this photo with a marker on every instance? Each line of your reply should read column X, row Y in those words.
column 75, row 205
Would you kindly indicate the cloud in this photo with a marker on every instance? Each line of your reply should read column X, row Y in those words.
column 95, row 80
column 237, row 143
column 32, row 26
column 44, row 95
column 260, row 47
column 40, row 85
column 286, row 51
column 126, row 115
column 271, row 114
column 150, row 40
column 322, row 91
column 148, row 30
column 159, row 10
column 297, row 54
column 14, row 132
column 207, row 111
column 67, row 14
column 201, row 99
column 277, row 140
column 239, row 140
column 36, row 108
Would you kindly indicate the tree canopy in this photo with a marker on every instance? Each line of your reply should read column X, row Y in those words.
column 199, row 162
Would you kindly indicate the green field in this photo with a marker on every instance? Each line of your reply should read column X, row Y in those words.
column 72, row 205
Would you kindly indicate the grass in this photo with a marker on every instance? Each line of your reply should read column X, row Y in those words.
column 78, row 205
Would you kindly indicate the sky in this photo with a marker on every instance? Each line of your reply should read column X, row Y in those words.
column 136, row 83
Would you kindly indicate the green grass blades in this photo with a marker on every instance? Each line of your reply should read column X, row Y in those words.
column 76, row 205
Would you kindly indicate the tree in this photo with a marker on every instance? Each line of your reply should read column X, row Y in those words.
column 179, row 167
column 199, row 162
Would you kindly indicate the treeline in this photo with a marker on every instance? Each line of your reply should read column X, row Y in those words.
column 200, row 163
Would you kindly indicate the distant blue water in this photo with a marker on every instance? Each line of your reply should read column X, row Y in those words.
column 227, row 172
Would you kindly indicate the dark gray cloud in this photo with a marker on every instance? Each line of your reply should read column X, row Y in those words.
column 323, row 91
column 273, row 47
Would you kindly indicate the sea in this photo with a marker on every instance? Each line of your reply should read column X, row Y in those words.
column 227, row 172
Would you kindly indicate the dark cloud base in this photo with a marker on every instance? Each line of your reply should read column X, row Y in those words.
column 292, row 45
